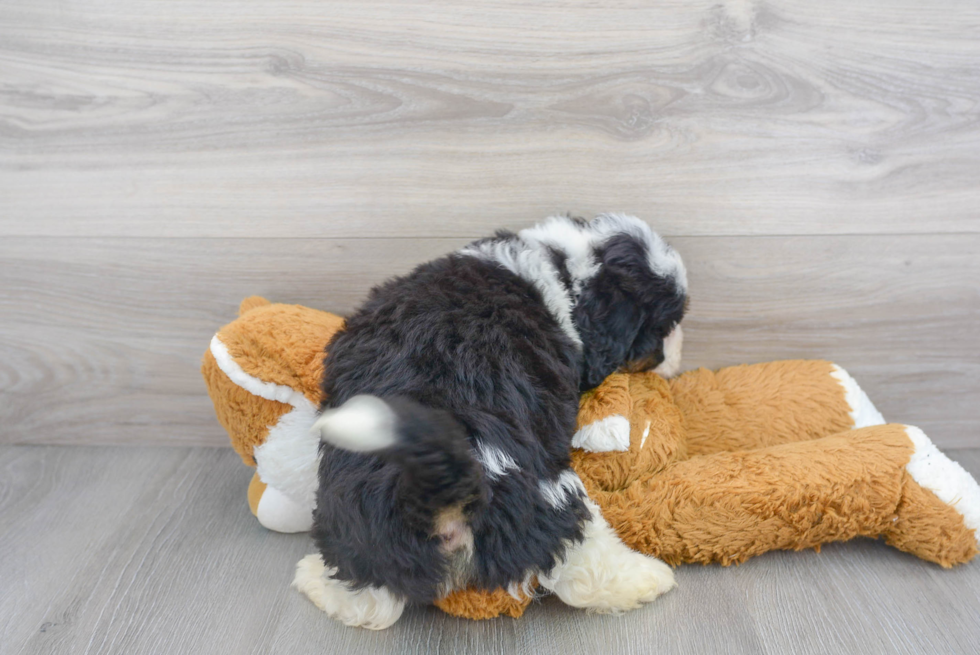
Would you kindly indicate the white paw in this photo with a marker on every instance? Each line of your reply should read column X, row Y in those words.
column 645, row 578
column 374, row 608
column 605, row 576
column 637, row 579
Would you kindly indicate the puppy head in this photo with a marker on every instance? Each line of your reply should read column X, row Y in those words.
column 617, row 289
column 628, row 312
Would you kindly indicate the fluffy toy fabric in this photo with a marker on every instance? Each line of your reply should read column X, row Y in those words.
column 706, row 467
column 263, row 374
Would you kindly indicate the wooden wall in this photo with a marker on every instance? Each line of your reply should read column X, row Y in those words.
column 816, row 163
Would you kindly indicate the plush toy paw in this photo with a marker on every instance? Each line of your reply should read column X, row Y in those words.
column 276, row 511
column 938, row 515
column 947, row 479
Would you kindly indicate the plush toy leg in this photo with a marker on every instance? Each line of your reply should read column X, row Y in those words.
column 727, row 507
column 938, row 518
column 277, row 511
column 479, row 604
column 629, row 427
column 745, row 407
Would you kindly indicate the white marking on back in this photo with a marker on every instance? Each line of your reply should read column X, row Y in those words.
column 533, row 264
column 562, row 489
column 569, row 238
column 495, row 462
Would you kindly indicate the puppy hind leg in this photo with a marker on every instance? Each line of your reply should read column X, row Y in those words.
column 603, row 575
column 374, row 608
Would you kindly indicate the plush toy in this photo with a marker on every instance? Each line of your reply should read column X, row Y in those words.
column 706, row 467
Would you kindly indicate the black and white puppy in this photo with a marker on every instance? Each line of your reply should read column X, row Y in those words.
column 452, row 397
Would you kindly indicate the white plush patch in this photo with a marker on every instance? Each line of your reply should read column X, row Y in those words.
column 280, row 513
column 603, row 575
column 673, row 343
column 863, row 411
column 362, row 424
column 374, row 608
column 611, row 434
column 288, row 459
column 951, row 483
column 560, row 490
column 495, row 462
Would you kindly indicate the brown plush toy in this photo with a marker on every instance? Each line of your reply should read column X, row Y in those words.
column 707, row 467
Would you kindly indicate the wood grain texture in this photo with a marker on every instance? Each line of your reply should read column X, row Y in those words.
column 102, row 338
column 348, row 119
column 153, row 550
column 816, row 164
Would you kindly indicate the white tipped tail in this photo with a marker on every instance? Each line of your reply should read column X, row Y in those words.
column 362, row 424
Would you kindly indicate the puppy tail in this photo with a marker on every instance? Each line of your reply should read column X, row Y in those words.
column 438, row 469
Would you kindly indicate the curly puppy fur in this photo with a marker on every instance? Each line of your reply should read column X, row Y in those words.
column 451, row 402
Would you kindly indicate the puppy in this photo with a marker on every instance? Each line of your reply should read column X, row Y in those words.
column 452, row 397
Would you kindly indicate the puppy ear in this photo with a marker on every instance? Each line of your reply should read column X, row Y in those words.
column 608, row 323
column 627, row 309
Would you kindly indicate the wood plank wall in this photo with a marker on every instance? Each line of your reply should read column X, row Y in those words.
column 816, row 163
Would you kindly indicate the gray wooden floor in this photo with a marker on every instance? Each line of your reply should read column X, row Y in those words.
column 816, row 163
column 136, row 550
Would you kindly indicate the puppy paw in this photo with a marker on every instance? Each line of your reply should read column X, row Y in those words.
column 374, row 608
column 603, row 575
column 641, row 580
